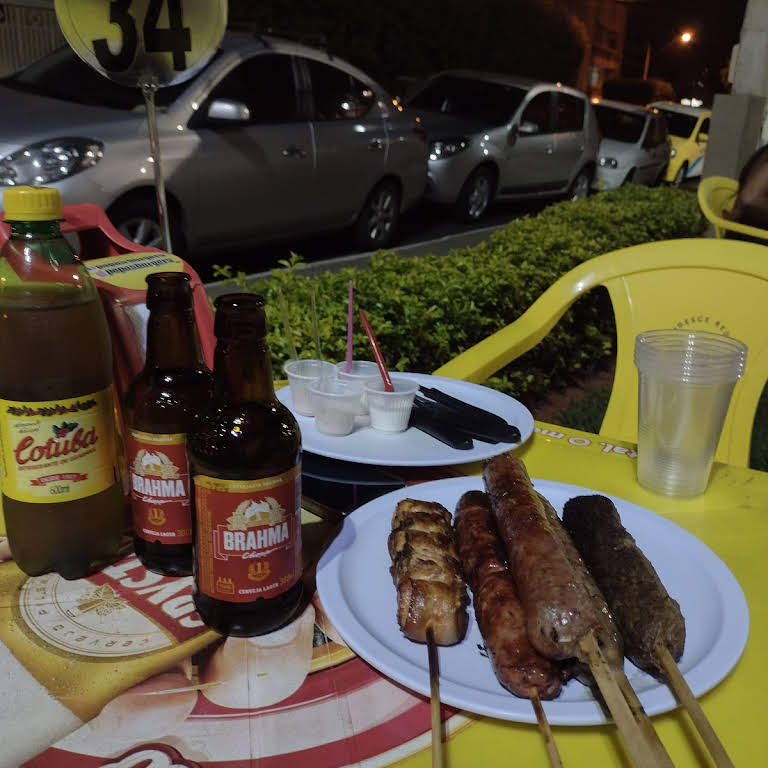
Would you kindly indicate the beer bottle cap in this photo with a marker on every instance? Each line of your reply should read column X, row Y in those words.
column 32, row 204
column 240, row 316
column 168, row 289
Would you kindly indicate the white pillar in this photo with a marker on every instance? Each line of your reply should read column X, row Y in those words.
column 739, row 122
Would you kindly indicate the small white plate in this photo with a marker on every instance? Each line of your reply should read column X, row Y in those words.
column 357, row 593
column 414, row 448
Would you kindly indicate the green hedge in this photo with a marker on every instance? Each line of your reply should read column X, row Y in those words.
column 425, row 310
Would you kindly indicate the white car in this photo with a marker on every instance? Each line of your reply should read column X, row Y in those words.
column 634, row 145
column 270, row 139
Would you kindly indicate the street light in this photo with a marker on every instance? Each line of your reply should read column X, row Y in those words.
column 684, row 37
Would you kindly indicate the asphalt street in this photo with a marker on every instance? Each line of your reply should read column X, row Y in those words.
column 426, row 228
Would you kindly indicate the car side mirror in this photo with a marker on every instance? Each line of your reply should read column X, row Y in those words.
column 229, row 111
column 512, row 136
column 702, row 137
column 529, row 128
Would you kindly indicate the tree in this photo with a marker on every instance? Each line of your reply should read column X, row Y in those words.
column 417, row 37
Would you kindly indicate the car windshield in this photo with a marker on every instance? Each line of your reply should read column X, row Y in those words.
column 63, row 75
column 678, row 123
column 619, row 125
column 494, row 103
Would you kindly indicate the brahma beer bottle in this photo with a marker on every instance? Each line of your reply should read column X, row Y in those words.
column 62, row 496
column 245, row 460
column 160, row 406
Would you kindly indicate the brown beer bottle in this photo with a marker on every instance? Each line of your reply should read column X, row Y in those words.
column 62, row 496
column 161, row 404
column 245, row 461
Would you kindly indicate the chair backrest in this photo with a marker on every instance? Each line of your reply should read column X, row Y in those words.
column 717, row 194
column 710, row 284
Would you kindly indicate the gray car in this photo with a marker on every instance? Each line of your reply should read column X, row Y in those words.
column 496, row 136
column 270, row 139
column 634, row 147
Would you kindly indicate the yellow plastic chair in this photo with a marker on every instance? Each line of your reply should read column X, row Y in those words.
column 717, row 194
column 702, row 283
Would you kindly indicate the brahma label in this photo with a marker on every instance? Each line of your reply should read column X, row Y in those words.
column 248, row 536
column 159, row 487
column 58, row 450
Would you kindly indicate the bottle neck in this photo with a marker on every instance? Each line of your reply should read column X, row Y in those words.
column 172, row 340
column 242, row 371
column 37, row 230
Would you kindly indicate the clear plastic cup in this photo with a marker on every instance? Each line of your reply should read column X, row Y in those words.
column 361, row 371
column 391, row 411
column 336, row 403
column 686, row 379
column 301, row 375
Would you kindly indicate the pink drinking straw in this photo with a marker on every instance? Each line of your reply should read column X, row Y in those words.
column 377, row 354
column 350, row 325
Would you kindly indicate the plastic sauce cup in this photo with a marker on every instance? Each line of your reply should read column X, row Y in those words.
column 391, row 411
column 301, row 375
column 336, row 403
column 362, row 371
column 686, row 379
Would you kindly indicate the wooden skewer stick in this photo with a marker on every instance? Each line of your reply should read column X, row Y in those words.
column 434, row 701
column 646, row 751
column 546, row 731
column 685, row 696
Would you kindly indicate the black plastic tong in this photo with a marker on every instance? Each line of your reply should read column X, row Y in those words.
column 468, row 419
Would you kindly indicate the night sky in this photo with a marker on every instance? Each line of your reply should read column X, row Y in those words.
column 716, row 25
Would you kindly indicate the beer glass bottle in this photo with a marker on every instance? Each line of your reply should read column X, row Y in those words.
column 160, row 406
column 62, row 494
column 245, row 461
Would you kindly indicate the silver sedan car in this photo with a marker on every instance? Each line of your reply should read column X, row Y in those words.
column 270, row 139
column 634, row 147
column 497, row 136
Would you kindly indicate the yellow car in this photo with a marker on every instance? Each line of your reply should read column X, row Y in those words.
column 689, row 130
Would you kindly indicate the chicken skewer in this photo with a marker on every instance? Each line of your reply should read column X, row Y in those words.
column 431, row 594
column 650, row 621
column 566, row 615
column 500, row 617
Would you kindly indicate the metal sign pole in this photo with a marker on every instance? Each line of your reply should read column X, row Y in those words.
column 148, row 90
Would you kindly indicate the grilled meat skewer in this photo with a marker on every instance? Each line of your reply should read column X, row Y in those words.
column 431, row 593
column 500, row 617
column 645, row 613
column 562, row 603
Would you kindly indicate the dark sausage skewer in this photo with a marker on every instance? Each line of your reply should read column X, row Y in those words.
column 650, row 621
column 645, row 613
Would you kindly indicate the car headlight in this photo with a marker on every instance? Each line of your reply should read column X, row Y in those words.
column 672, row 152
column 47, row 161
column 442, row 148
column 609, row 162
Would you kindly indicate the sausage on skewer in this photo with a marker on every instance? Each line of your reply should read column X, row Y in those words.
column 562, row 603
column 431, row 593
column 645, row 613
column 500, row 617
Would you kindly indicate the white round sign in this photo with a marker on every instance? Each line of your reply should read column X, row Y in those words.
column 144, row 42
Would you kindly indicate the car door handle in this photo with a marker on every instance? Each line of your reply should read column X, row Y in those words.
column 376, row 144
column 293, row 151
column 549, row 149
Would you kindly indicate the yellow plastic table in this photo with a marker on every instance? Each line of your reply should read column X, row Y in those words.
column 340, row 712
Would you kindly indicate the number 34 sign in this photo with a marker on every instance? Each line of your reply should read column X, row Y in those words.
column 138, row 42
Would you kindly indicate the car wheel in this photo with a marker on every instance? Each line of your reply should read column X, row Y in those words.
column 662, row 175
column 581, row 185
column 476, row 195
column 136, row 219
column 377, row 223
column 680, row 175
